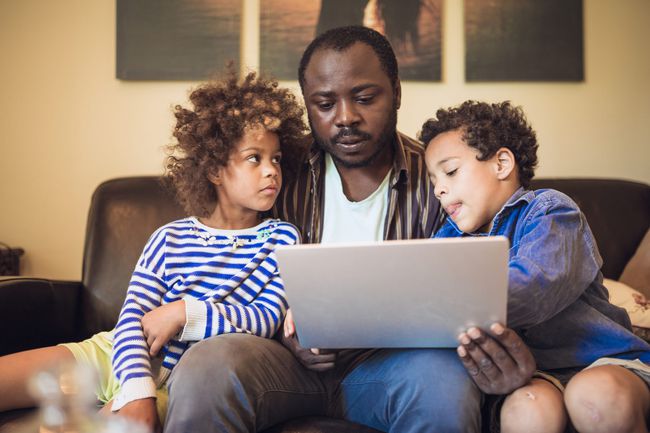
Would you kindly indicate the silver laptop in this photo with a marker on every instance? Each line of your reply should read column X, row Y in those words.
column 411, row 293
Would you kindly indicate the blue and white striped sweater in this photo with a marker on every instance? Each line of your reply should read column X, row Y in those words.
column 230, row 283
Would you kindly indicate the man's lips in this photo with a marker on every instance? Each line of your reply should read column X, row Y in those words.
column 350, row 140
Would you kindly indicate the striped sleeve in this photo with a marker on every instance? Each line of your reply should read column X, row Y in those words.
column 130, row 357
column 257, row 305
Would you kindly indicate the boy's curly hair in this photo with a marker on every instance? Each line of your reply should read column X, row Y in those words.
column 223, row 111
column 488, row 127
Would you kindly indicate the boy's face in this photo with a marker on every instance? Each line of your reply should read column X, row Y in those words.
column 252, row 179
column 467, row 188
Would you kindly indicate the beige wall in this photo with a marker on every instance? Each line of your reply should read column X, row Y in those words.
column 68, row 124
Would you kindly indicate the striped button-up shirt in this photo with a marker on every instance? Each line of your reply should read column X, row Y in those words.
column 413, row 210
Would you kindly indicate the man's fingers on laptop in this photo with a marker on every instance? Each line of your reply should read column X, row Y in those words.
column 521, row 355
column 317, row 362
column 494, row 353
column 473, row 369
column 513, row 344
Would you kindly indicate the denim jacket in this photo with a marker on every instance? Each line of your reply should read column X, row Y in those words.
column 556, row 298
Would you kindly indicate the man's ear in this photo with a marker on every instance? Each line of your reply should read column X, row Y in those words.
column 505, row 163
column 398, row 94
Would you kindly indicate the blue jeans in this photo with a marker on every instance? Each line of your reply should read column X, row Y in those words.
column 243, row 383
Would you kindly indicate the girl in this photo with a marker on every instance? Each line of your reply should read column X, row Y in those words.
column 209, row 274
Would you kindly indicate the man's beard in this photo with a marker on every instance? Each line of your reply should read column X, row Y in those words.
column 385, row 138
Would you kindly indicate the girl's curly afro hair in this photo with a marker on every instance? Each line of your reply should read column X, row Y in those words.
column 222, row 112
column 487, row 128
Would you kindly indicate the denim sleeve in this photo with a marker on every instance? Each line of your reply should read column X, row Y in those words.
column 553, row 261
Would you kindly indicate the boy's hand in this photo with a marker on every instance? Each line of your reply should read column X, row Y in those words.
column 312, row 359
column 142, row 411
column 162, row 323
column 499, row 361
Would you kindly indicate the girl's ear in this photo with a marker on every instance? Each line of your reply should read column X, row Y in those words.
column 215, row 178
column 506, row 163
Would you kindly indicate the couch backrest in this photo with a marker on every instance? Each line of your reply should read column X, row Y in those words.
column 617, row 211
column 123, row 214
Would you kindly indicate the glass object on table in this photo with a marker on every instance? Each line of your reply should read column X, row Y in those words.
column 67, row 404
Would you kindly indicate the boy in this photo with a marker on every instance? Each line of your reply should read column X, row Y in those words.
column 481, row 158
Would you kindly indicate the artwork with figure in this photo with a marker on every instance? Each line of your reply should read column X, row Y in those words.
column 524, row 40
column 413, row 28
column 176, row 40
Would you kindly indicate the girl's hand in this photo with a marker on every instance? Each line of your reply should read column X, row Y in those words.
column 162, row 323
column 142, row 411
column 289, row 325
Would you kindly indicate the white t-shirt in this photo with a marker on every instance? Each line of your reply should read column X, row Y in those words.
column 350, row 221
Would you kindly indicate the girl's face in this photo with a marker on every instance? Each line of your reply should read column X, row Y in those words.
column 251, row 180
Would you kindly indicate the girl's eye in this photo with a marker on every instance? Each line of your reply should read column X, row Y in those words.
column 253, row 158
column 452, row 172
column 277, row 159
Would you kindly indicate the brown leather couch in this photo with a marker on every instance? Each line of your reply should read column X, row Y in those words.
column 124, row 212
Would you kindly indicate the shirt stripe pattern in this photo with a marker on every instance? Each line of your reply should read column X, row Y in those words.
column 229, row 278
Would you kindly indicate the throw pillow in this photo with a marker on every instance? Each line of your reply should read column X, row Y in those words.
column 637, row 271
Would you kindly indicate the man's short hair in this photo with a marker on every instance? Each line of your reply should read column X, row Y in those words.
column 341, row 38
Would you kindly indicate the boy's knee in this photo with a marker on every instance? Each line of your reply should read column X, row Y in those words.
column 604, row 399
column 537, row 407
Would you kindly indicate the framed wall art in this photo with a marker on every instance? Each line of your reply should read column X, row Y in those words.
column 524, row 40
column 176, row 39
column 412, row 26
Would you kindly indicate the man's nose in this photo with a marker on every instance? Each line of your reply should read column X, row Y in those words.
column 347, row 114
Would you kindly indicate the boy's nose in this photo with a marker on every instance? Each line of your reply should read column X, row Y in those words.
column 439, row 189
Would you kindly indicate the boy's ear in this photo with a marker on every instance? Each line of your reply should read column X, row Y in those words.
column 505, row 163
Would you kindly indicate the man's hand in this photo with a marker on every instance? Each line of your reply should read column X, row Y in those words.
column 499, row 361
column 142, row 411
column 162, row 323
column 312, row 359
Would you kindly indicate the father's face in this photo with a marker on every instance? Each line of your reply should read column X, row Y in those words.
column 351, row 104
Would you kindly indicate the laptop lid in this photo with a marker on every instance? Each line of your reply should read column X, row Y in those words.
column 407, row 293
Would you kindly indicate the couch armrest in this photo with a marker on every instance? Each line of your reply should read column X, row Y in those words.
column 37, row 312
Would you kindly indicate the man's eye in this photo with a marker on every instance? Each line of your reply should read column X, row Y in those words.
column 365, row 99
column 325, row 105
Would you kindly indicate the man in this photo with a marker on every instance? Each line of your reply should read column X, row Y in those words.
column 361, row 181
